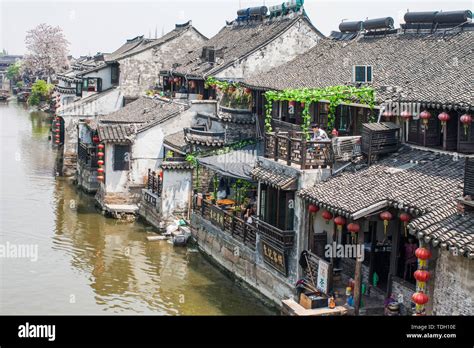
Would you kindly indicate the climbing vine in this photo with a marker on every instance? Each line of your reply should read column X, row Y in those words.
column 335, row 95
column 233, row 94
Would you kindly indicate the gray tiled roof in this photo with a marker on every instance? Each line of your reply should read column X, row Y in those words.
column 115, row 132
column 406, row 67
column 448, row 229
column 275, row 179
column 176, row 141
column 144, row 110
column 235, row 41
column 140, row 44
column 413, row 180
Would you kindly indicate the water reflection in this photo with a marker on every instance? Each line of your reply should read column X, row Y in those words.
column 87, row 263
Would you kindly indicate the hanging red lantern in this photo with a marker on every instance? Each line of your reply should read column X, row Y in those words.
column 312, row 208
column 100, row 162
column 353, row 228
column 466, row 120
column 423, row 253
column 420, row 298
column 57, row 141
column 100, row 154
column 57, row 136
column 425, row 116
column 422, row 275
column 100, row 177
column 387, row 114
column 95, row 139
column 100, row 170
column 339, row 221
column 101, row 146
column 58, row 124
column 386, row 216
column 406, row 115
column 444, row 118
column 335, row 133
column 57, row 130
column 405, row 218
column 326, row 216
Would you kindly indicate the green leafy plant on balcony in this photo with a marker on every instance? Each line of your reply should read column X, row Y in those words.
column 335, row 95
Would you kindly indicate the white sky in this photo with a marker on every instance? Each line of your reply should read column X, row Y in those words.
column 102, row 26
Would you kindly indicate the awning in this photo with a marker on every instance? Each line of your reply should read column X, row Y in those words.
column 235, row 164
column 277, row 180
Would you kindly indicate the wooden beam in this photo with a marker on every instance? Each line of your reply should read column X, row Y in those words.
column 369, row 210
column 358, row 277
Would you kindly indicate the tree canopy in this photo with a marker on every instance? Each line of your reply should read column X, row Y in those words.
column 47, row 51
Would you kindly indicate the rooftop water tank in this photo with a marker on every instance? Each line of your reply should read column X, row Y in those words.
column 351, row 27
column 379, row 23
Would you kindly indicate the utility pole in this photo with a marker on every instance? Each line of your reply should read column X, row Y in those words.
column 358, row 276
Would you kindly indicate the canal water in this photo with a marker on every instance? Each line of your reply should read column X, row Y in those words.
column 86, row 263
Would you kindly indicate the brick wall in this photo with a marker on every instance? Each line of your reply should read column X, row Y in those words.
column 453, row 285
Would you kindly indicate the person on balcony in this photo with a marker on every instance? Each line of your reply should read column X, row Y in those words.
column 318, row 133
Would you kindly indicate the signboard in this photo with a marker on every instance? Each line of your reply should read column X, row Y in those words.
column 274, row 257
column 323, row 277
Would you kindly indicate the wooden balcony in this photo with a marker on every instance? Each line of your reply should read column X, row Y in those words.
column 293, row 149
column 239, row 229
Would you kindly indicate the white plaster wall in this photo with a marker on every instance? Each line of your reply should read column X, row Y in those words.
column 105, row 103
column 105, row 74
column 115, row 181
column 147, row 152
column 295, row 41
column 177, row 185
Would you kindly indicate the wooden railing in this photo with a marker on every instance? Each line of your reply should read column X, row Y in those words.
column 87, row 155
column 154, row 184
column 294, row 149
column 283, row 239
column 239, row 229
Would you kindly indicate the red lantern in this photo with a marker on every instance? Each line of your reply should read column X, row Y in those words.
column 100, row 154
column 101, row 146
column 423, row 253
column 466, row 120
column 387, row 114
column 420, row 298
column 248, row 91
column 326, row 216
column 444, row 118
column 100, row 177
column 353, row 228
column 335, row 133
column 422, row 275
column 57, row 130
column 57, row 136
column 339, row 221
column 95, row 139
column 58, row 124
column 406, row 115
column 100, row 162
column 57, row 141
column 386, row 216
column 425, row 116
column 100, row 170
column 313, row 208
column 405, row 218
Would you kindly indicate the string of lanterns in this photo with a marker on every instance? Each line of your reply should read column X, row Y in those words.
column 57, row 122
column 100, row 162
column 422, row 275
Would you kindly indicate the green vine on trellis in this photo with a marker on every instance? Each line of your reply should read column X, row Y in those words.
column 335, row 95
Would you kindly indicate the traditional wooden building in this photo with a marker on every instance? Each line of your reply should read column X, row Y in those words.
column 435, row 79
column 240, row 49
